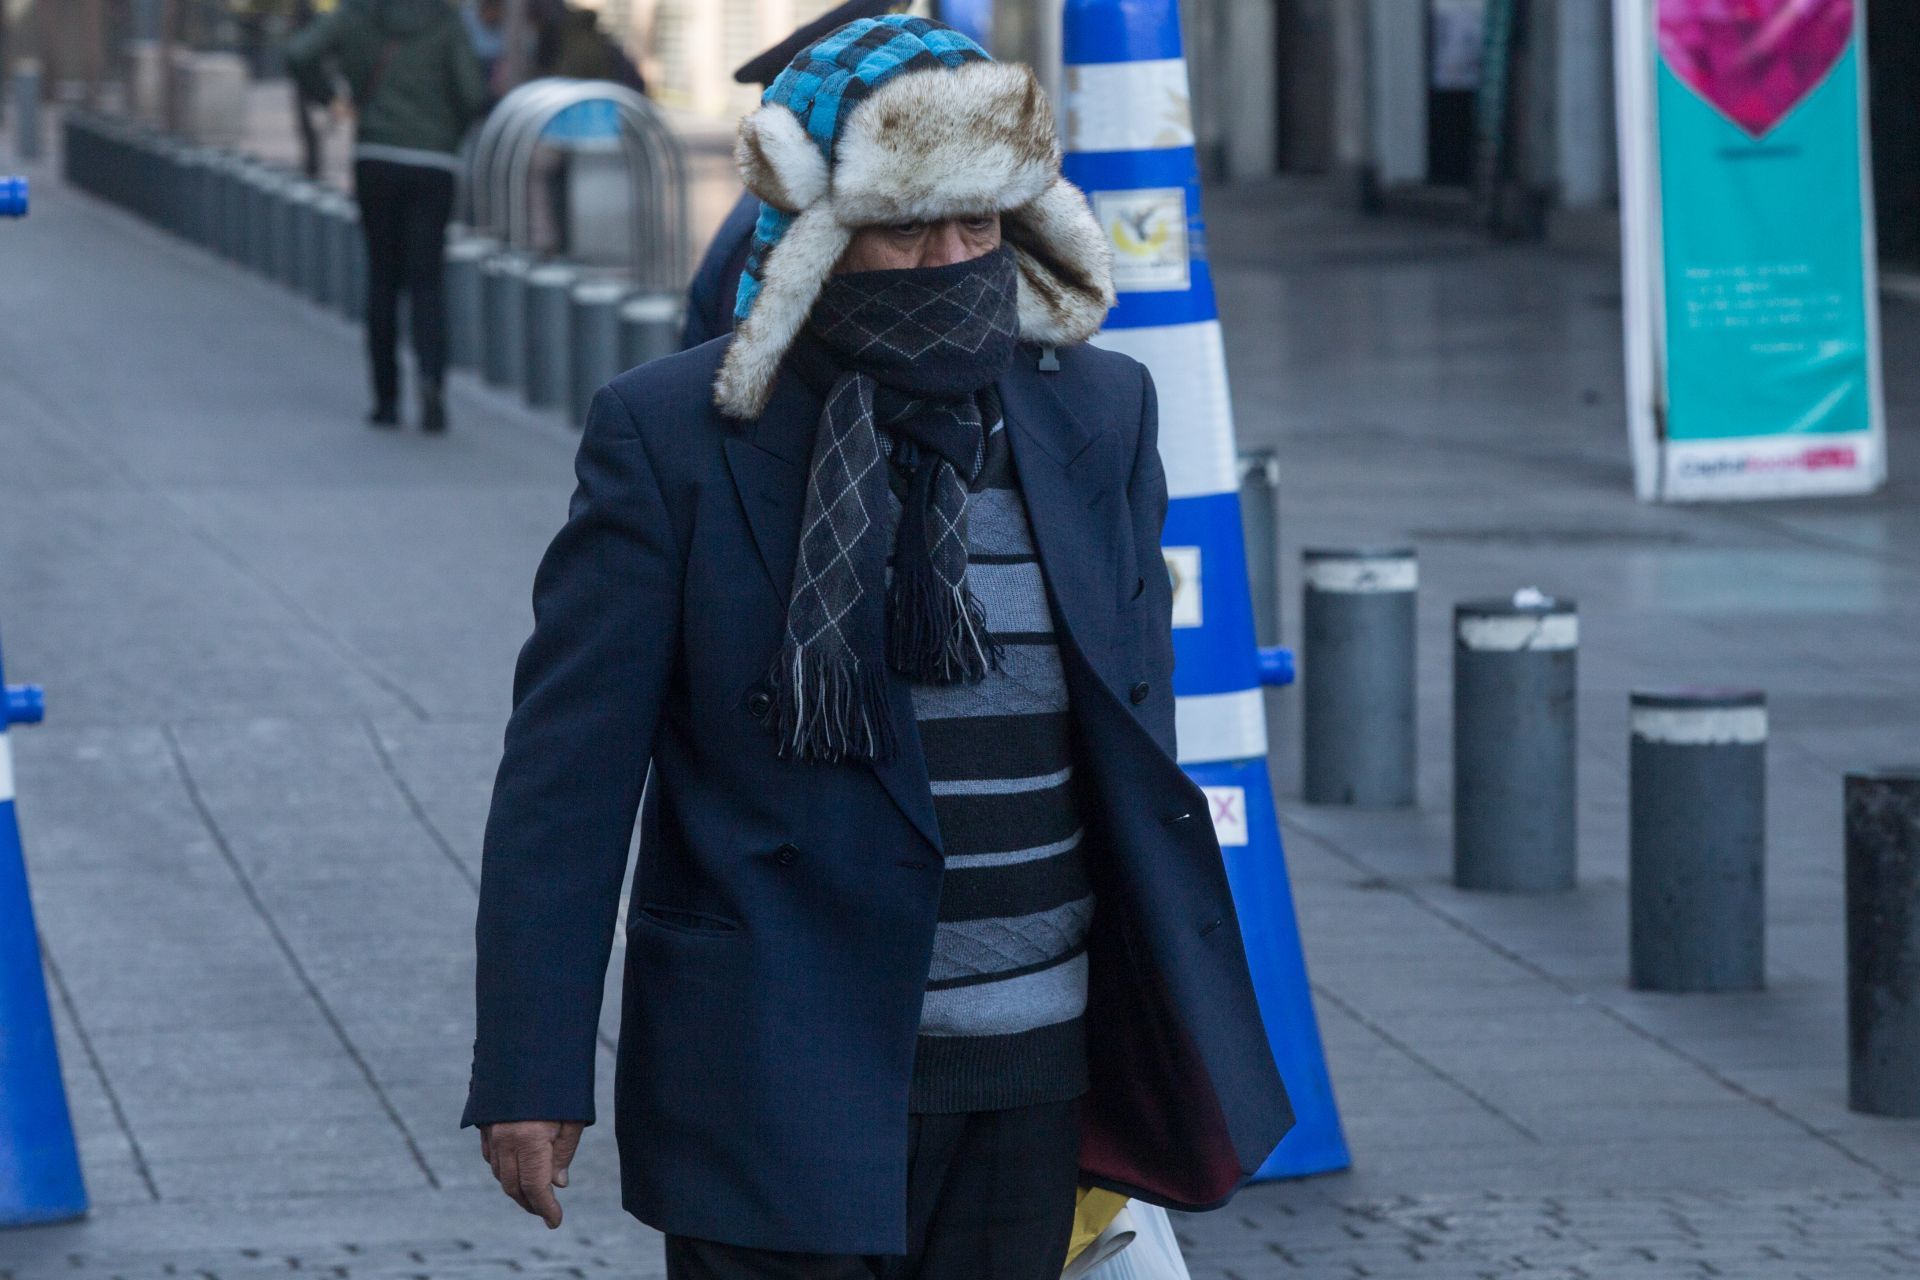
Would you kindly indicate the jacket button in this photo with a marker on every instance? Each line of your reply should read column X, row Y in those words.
column 759, row 702
column 786, row 854
column 1139, row 693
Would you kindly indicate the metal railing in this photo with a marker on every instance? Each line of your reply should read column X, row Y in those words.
column 500, row 174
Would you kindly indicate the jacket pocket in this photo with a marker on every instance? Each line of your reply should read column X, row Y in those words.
column 683, row 920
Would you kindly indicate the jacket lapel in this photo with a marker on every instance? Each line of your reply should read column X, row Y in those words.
column 769, row 467
column 1066, row 473
column 769, row 463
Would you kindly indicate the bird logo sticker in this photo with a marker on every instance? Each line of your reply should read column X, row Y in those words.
column 1148, row 230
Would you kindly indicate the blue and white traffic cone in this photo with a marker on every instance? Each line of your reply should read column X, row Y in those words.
column 1130, row 148
column 39, row 1167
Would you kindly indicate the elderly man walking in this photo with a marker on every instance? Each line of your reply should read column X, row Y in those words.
column 862, row 609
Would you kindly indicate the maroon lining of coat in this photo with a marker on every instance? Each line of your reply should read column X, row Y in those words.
column 1151, row 1120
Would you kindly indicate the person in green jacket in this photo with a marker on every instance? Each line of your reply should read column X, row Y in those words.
column 415, row 87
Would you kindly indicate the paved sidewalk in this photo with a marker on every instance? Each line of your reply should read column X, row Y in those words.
column 277, row 648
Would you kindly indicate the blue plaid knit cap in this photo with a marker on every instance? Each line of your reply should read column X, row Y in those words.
column 823, row 85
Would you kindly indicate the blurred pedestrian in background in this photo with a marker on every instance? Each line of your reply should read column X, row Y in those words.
column 414, row 86
column 585, row 52
column 710, row 296
column 305, row 105
column 486, row 27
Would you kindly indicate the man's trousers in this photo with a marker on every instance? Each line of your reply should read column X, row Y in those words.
column 990, row 1196
column 404, row 210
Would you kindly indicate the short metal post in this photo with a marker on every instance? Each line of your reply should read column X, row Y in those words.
column 596, row 341
column 176, row 187
column 649, row 328
column 1357, row 704
column 205, row 171
column 260, row 201
column 1514, row 669
column 1698, row 840
column 465, row 331
column 307, row 233
column 350, row 250
column 503, row 293
column 230, row 201
column 549, row 298
column 286, row 239
column 1883, row 941
column 1260, row 527
column 26, row 110
column 325, row 249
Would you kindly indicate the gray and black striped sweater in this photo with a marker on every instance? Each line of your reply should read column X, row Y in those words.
column 1002, row 1023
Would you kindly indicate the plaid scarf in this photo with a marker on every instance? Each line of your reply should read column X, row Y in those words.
column 912, row 354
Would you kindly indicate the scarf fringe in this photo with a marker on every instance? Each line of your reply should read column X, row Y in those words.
column 829, row 709
column 937, row 634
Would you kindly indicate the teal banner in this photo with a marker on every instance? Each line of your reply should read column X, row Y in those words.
column 1766, row 249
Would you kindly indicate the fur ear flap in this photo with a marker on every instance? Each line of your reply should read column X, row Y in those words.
column 796, row 270
column 1066, row 266
column 778, row 161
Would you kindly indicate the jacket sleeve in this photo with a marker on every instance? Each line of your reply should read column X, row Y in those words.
column 468, row 84
column 306, row 55
column 586, row 703
column 1147, row 500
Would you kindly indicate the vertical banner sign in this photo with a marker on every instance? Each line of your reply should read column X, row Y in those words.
column 1753, row 351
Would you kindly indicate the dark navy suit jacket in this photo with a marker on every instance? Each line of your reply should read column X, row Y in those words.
column 782, row 914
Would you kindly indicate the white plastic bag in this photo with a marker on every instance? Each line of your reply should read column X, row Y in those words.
column 1152, row 1254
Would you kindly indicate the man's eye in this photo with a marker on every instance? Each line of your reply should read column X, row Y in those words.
column 980, row 224
column 907, row 228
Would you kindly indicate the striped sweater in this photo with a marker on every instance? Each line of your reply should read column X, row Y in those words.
column 1002, row 1021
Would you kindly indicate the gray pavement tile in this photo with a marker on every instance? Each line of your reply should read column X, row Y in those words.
column 239, row 1178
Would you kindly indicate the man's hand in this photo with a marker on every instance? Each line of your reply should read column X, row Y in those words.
column 530, row 1158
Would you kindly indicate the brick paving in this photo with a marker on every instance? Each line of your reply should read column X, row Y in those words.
column 277, row 649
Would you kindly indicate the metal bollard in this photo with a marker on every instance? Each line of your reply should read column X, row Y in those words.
column 1883, row 942
column 230, row 203
column 326, row 270
column 304, row 273
column 1698, row 840
column 260, row 201
column 204, row 172
column 286, row 231
column 1260, row 529
column 548, row 331
column 273, row 217
column 353, row 303
column 176, row 189
column 596, row 342
column 465, row 334
column 345, row 251
column 649, row 328
column 26, row 110
column 1357, row 707
column 503, row 299
column 1514, row 667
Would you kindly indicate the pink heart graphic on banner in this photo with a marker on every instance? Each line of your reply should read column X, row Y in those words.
column 1756, row 60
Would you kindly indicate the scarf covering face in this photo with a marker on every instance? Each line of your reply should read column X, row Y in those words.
column 913, row 354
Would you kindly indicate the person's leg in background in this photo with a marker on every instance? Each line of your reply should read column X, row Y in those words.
column 428, row 210
column 378, row 186
column 310, row 157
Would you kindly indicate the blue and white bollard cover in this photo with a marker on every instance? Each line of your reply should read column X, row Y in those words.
column 1130, row 147
column 13, row 197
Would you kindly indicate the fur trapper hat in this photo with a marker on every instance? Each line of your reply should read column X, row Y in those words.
column 892, row 120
